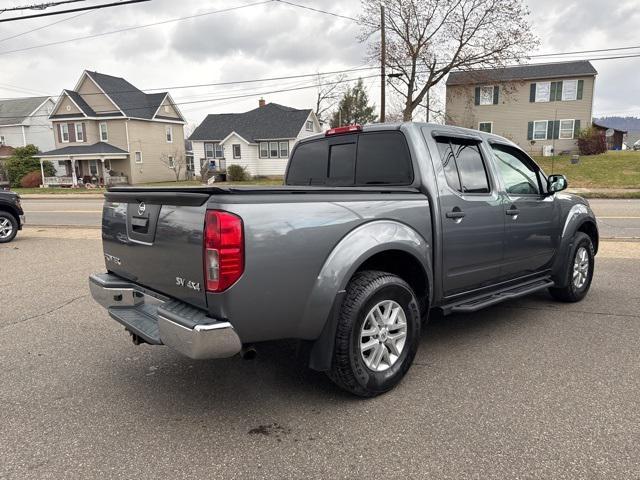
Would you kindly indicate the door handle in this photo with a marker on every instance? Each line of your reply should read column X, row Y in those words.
column 456, row 213
column 512, row 211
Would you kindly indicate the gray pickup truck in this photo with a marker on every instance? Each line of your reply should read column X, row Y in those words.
column 375, row 227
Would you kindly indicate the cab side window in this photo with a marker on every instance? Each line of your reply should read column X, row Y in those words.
column 519, row 175
column 463, row 165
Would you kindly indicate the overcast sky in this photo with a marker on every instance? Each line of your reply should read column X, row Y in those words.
column 270, row 40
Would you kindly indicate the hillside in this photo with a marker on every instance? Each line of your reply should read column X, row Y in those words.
column 629, row 124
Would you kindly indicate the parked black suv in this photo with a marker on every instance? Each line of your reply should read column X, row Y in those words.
column 11, row 216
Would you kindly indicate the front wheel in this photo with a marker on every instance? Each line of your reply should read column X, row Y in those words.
column 377, row 335
column 580, row 271
column 8, row 227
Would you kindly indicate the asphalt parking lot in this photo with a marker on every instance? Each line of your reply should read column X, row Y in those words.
column 527, row 389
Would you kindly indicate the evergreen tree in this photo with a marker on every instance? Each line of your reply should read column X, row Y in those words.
column 354, row 107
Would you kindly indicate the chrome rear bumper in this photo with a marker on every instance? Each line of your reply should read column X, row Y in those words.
column 159, row 320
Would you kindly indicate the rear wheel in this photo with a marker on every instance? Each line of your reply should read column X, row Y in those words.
column 8, row 227
column 377, row 335
column 580, row 271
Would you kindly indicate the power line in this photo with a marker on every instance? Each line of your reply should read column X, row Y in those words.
column 317, row 10
column 43, row 27
column 71, row 10
column 39, row 6
column 135, row 27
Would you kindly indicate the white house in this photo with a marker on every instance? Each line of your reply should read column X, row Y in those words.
column 25, row 121
column 259, row 140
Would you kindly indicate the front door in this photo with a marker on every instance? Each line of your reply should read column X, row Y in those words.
column 532, row 217
column 472, row 217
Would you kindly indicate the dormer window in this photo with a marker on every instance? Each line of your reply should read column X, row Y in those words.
column 309, row 126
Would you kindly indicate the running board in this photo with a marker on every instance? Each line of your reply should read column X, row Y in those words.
column 477, row 303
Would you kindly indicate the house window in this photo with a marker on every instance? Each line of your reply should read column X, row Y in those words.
column 213, row 150
column 309, row 126
column 273, row 149
column 138, row 157
column 171, row 162
column 169, row 134
column 264, row 149
column 540, row 130
column 569, row 90
column 486, row 95
column 64, row 130
column 93, row 167
column 236, row 150
column 566, row 129
column 543, row 90
column 79, row 133
column 486, row 127
column 104, row 135
column 107, row 164
column 1, row 139
column 208, row 150
column 284, row 149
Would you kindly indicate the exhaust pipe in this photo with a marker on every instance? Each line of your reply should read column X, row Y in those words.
column 248, row 352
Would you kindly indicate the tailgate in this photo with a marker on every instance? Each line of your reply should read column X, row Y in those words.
column 154, row 239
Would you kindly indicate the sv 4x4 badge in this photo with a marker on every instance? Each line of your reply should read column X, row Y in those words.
column 181, row 282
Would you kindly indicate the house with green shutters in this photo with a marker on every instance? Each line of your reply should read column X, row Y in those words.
column 541, row 107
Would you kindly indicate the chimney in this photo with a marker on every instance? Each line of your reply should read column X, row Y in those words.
column 261, row 103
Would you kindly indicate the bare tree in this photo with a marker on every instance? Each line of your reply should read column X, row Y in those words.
column 175, row 161
column 327, row 97
column 427, row 39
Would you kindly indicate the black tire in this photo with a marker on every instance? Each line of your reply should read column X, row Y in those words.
column 14, row 226
column 349, row 370
column 571, row 292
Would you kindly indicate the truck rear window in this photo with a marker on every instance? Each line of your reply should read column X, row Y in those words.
column 376, row 158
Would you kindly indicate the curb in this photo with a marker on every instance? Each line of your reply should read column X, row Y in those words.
column 76, row 227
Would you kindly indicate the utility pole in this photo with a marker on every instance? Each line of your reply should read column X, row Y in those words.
column 383, row 61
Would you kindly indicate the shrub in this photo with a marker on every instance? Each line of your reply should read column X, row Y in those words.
column 591, row 141
column 237, row 173
column 31, row 179
column 22, row 162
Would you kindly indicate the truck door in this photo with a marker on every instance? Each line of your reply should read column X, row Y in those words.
column 532, row 216
column 472, row 216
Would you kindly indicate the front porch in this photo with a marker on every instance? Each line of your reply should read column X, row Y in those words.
column 96, row 165
column 77, row 173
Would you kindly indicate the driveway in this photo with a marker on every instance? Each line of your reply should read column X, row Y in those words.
column 530, row 388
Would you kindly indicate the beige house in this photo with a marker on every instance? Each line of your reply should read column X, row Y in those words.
column 107, row 131
column 540, row 107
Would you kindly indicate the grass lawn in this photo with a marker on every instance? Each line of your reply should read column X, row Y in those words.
column 59, row 191
column 195, row 183
column 610, row 170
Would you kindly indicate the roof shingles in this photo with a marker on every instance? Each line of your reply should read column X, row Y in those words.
column 272, row 121
column 16, row 110
column 522, row 73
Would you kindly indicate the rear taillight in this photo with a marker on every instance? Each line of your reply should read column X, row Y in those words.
column 223, row 250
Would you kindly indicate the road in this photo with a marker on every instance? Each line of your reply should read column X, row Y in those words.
column 526, row 389
column 617, row 218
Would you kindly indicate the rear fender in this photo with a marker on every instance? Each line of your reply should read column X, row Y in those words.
column 323, row 308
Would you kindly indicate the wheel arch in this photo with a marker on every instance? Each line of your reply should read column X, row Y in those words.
column 381, row 245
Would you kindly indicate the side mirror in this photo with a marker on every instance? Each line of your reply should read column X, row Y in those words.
column 556, row 183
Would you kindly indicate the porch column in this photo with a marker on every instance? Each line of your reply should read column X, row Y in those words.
column 42, row 172
column 73, row 172
column 105, row 174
